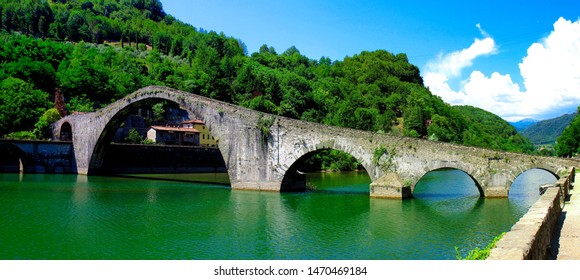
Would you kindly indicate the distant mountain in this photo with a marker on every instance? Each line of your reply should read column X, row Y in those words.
column 547, row 131
column 523, row 124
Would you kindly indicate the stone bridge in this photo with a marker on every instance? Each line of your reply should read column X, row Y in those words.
column 263, row 152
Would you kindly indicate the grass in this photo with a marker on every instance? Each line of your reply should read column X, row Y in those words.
column 479, row 254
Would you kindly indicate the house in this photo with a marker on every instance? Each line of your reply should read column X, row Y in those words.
column 192, row 132
column 205, row 137
column 173, row 135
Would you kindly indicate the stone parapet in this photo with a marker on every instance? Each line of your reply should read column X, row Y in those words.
column 530, row 237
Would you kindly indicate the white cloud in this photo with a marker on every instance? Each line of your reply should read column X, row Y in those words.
column 452, row 64
column 550, row 71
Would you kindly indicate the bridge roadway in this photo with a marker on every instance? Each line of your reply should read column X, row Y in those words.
column 569, row 237
column 263, row 152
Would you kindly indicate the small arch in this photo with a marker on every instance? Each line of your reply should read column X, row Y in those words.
column 294, row 178
column 528, row 182
column 473, row 179
column 65, row 132
column 12, row 159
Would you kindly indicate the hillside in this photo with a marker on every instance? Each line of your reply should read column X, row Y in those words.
column 568, row 143
column 547, row 131
column 485, row 129
column 97, row 52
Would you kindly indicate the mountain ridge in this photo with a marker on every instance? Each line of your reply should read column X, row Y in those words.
column 547, row 131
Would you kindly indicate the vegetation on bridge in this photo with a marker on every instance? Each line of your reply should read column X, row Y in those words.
column 96, row 52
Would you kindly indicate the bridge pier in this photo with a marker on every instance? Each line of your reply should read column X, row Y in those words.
column 497, row 185
column 390, row 185
column 255, row 186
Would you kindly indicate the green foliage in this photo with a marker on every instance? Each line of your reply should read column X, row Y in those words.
column 158, row 111
column 379, row 152
column 20, row 105
column 484, row 129
column 479, row 254
column 96, row 52
column 264, row 125
column 568, row 144
column 22, row 135
column 330, row 160
column 134, row 137
column 81, row 104
column 42, row 127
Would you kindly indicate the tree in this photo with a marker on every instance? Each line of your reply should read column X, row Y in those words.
column 42, row 127
column 414, row 125
column 568, row 145
column 77, row 27
column 20, row 105
column 158, row 111
column 134, row 137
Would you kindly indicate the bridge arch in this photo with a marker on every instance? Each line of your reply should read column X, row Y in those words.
column 12, row 159
column 450, row 167
column 293, row 179
column 112, row 117
column 534, row 185
column 65, row 132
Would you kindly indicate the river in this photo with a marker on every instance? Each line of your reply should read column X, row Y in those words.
column 45, row 216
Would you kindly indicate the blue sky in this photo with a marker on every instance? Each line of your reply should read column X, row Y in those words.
column 516, row 58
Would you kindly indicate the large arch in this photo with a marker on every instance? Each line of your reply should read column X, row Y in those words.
column 98, row 157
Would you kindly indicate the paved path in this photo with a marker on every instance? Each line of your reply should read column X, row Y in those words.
column 570, row 233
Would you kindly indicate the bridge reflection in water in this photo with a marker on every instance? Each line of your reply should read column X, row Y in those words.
column 46, row 216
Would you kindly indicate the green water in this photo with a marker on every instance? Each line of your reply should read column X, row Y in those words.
column 78, row 217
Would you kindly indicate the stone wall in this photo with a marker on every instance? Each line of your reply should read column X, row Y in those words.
column 531, row 236
column 39, row 156
column 131, row 159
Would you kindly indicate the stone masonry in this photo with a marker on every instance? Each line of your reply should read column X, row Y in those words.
column 262, row 151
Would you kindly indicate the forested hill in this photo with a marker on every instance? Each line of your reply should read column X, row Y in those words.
column 547, row 131
column 485, row 129
column 95, row 52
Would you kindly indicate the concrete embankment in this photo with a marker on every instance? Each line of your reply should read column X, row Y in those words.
column 531, row 238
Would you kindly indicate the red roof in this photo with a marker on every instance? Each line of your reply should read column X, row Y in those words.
column 172, row 128
column 193, row 121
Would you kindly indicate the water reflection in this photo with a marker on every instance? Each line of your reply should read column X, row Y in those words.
column 525, row 189
column 79, row 217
